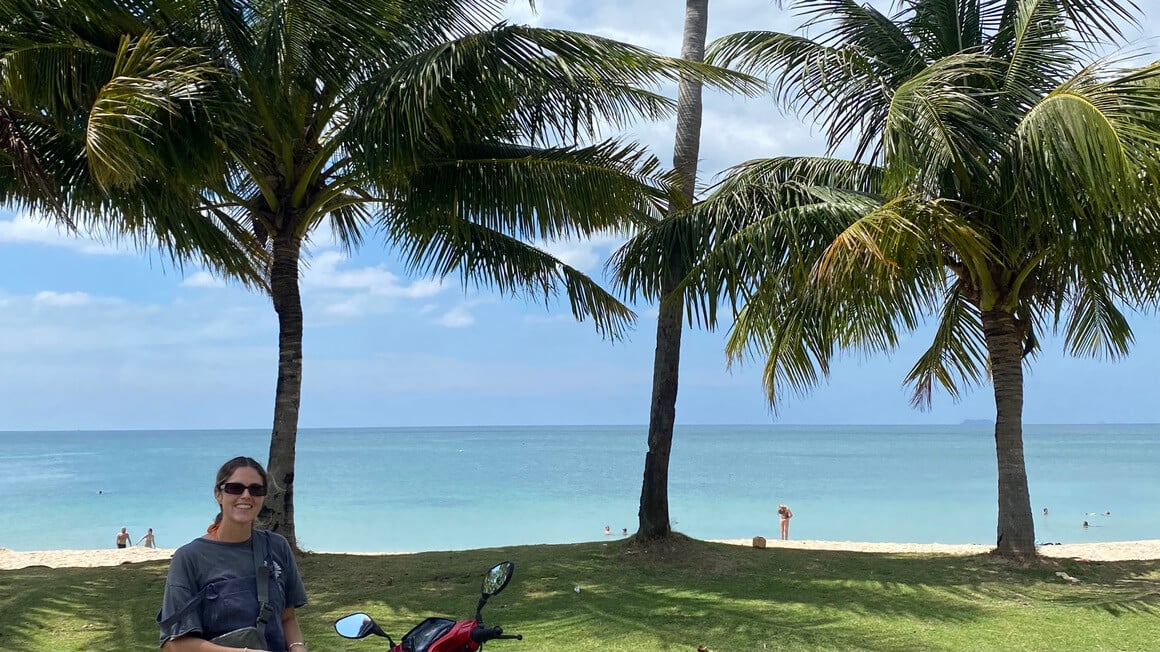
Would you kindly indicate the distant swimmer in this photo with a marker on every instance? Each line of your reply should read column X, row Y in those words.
column 150, row 541
column 1045, row 511
column 123, row 539
column 1085, row 523
column 607, row 530
column 623, row 531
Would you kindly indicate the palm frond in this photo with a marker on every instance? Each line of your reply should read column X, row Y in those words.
column 769, row 217
column 957, row 357
column 790, row 333
column 1099, row 138
column 936, row 128
column 941, row 28
column 1095, row 326
column 517, row 84
column 485, row 257
column 533, row 193
column 843, row 88
column 150, row 83
column 638, row 267
column 21, row 169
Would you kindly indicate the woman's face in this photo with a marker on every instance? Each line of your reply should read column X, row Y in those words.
column 244, row 508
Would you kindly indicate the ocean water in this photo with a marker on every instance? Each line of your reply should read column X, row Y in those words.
column 409, row 489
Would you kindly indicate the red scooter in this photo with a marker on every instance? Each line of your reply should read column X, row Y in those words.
column 440, row 634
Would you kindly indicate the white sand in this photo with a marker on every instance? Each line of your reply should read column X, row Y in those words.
column 11, row 559
column 1111, row 551
column 1114, row 551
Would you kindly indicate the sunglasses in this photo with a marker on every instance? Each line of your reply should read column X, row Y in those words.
column 236, row 488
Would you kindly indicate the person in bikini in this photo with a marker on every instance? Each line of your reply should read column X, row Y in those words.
column 784, row 514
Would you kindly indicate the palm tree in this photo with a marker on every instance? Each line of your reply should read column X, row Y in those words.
column 653, row 516
column 70, row 72
column 1000, row 186
column 459, row 138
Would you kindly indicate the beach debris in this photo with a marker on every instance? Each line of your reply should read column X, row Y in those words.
column 576, row 589
column 1067, row 578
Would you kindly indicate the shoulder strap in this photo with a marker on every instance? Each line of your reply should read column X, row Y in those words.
column 260, row 545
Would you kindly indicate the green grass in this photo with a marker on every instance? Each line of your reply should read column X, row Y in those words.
column 690, row 593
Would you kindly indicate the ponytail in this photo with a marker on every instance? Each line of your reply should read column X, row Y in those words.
column 215, row 526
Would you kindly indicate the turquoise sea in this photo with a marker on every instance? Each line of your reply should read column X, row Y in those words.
column 409, row 489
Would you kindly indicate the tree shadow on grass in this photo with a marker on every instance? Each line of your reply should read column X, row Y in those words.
column 692, row 593
column 703, row 592
column 81, row 608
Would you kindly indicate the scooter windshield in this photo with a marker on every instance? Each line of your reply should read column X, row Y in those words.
column 421, row 636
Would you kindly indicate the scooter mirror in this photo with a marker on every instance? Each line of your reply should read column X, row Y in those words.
column 498, row 577
column 357, row 625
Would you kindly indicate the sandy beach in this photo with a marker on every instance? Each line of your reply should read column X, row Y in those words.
column 1112, row 551
column 13, row 559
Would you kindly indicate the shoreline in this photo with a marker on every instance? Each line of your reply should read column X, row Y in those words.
column 1142, row 550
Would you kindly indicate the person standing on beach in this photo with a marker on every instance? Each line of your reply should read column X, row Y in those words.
column 150, row 542
column 784, row 514
column 211, row 588
column 123, row 539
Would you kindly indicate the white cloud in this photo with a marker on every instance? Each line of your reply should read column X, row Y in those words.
column 324, row 272
column 202, row 279
column 388, row 373
column 345, row 292
column 586, row 255
column 457, row 317
column 49, row 324
column 61, row 299
column 26, row 229
column 520, row 12
column 349, row 307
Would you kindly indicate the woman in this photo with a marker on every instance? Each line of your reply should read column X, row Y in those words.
column 149, row 539
column 211, row 588
column 784, row 514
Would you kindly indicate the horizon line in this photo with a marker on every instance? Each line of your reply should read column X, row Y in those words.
column 967, row 422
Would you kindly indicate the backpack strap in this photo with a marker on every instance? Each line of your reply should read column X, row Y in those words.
column 260, row 544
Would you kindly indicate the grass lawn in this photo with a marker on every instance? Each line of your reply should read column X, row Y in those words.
column 691, row 593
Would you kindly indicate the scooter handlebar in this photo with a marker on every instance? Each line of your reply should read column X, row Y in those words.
column 485, row 634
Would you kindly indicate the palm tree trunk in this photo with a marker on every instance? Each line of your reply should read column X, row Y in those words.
column 1016, row 528
column 287, row 297
column 654, row 494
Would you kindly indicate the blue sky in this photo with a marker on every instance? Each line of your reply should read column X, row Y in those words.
column 97, row 336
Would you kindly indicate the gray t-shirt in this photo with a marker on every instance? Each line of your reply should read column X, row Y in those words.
column 210, row 589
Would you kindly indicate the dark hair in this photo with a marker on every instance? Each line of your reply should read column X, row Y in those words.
column 240, row 462
column 224, row 473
